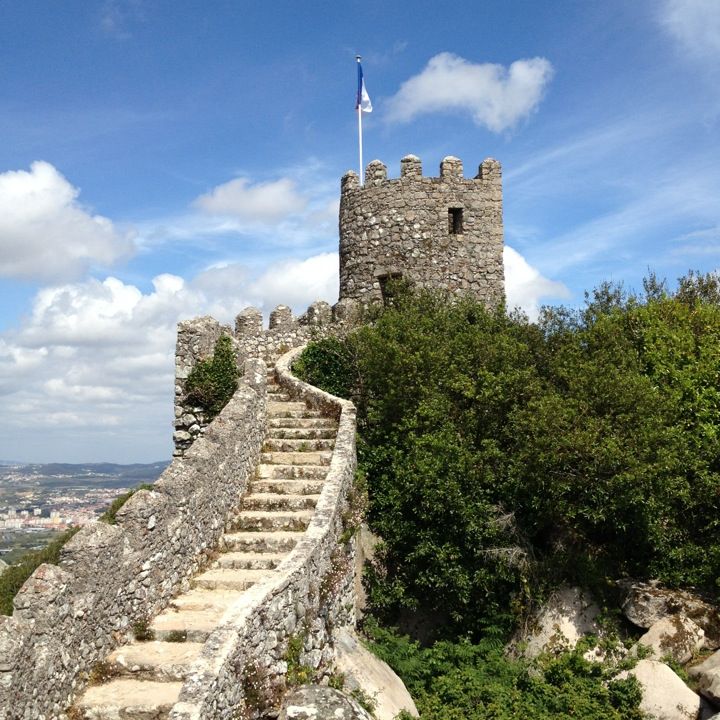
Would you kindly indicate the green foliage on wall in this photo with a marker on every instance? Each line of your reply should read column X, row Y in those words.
column 504, row 456
column 327, row 362
column 213, row 381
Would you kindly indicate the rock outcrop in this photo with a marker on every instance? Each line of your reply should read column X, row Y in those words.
column 314, row 702
column 568, row 615
column 674, row 636
column 364, row 671
column 707, row 677
column 646, row 603
column 665, row 695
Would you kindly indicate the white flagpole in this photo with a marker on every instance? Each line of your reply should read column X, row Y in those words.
column 360, row 143
column 359, row 111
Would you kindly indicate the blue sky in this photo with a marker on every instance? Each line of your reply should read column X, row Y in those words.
column 160, row 160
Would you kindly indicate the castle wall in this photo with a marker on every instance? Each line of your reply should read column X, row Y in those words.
column 196, row 340
column 402, row 227
column 197, row 337
column 311, row 593
column 68, row 617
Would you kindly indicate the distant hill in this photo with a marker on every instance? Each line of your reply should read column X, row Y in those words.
column 80, row 474
column 134, row 470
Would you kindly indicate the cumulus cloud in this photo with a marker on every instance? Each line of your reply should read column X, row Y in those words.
column 525, row 286
column 90, row 371
column 299, row 282
column 695, row 24
column 266, row 202
column 46, row 234
column 497, row 97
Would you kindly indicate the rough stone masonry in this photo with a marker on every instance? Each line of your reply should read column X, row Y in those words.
column 441, row 233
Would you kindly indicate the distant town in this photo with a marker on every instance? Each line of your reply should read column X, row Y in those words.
column 37, row 501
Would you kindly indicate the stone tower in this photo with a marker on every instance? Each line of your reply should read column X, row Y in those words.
column 437, row 232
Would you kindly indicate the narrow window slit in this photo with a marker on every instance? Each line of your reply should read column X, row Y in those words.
column 455, row 221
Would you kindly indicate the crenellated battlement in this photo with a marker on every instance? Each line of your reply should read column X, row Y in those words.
column 443, row 232
column 451, row 169
column 251, row 339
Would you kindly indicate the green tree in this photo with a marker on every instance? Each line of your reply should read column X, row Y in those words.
column 504, row 456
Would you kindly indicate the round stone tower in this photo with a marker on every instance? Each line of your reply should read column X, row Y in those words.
column 436, row 232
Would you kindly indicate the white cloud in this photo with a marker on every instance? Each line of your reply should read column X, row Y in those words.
column 46, row 234
column 299, row 282
column 91, row 368
column 267, row 202
column 496, row 97
column 525, row 286
column 695, row 24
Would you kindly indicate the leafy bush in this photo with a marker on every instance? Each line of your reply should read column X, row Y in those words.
column 465, row 681
column 297, row 672
column 213, row 381
column 504, row 456
column 15, row 576
column 327, row 363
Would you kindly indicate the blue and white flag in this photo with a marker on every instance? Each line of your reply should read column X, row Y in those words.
column 363, row 99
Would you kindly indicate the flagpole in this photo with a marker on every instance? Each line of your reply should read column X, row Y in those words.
column 359, row 112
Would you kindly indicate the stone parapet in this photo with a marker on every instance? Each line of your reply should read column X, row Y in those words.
column 197, row 338
column 69, row 617
column 311, row 592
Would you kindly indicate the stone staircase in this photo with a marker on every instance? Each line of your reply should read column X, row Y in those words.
column 142, row 680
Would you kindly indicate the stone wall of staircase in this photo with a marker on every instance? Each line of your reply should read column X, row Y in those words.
column 197, row 337
column 311, row 593
column 169, row 544
column 68, row 617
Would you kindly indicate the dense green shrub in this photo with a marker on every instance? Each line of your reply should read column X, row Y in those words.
column 15, row 576
column 465, row 681
column 213, row 381
column 328, row 362
column 503, row 456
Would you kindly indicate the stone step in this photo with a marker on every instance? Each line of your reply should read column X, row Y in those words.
column 279, row 397
column 282, row 486
column 320, row 457
column 262, row 542
column 155, row 660
column 229, row 579
column 276, row 394
column 273, row 406
column 287, row 472
column 203, row 600
column 249, row 560
column 301, row 433
column 263, row 520
column 300, row 422
column 278, row 501
column 129, row 699
column 297, row 445
column 291, row 410
column 194, row 625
